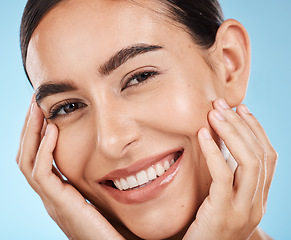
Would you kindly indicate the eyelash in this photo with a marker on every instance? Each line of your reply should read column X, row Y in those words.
column 54, row 112
column 148, row 74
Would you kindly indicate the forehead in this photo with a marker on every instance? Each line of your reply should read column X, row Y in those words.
column 76, row 31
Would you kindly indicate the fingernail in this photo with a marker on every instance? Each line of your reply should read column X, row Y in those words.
column 206, row 133
column 219, row 116
column 222, row 103
column 48, row 129
column 245, row 109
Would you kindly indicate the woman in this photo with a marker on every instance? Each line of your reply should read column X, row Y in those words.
column 137, row 99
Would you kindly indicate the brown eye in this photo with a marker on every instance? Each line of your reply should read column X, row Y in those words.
column 140, row 77
column 65, row 108
column 71, row 107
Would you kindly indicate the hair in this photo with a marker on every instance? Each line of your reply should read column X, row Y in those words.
column 201, row 18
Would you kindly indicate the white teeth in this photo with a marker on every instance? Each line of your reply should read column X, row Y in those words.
column 118, row 185
column 151, row 172
column 131, row 182
column 142, row 178
column 166, row 165
column 123, row 183
column 160, row 169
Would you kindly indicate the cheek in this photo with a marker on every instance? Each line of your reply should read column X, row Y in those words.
column 181, row 108
column 74, row 148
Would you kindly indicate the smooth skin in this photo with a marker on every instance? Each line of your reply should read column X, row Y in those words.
column 228, row 205
column 227, row 197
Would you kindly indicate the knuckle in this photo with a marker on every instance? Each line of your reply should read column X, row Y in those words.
column 22, row 166
column 36, row 175
column 257, row 216
column 273, row 155
column 17, row 157
column 255, row 222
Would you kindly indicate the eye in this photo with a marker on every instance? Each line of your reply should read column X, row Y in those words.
column 140, row 77
column 65, row 108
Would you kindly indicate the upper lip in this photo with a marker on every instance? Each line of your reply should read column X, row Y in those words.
column 138, row 165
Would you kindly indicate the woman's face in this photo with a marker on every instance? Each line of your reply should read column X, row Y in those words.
column 128, row 91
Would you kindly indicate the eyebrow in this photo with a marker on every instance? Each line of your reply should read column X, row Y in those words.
column 51, row 88
column 124, row 55
column 119, row 58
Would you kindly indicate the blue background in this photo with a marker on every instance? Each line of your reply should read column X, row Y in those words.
column 22, row 215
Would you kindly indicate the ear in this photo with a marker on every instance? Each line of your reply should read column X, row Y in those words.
column 232, row 51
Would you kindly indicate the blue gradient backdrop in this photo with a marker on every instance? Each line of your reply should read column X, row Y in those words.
column 22, row 215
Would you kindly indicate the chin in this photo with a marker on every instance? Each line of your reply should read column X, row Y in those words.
column 166, row 229
column 168, row 216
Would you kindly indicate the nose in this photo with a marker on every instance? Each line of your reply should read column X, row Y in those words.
column 117, row 132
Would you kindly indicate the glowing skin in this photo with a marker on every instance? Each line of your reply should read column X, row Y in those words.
column 117, row 127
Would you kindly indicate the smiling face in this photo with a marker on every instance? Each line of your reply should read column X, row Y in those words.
column 128, row 91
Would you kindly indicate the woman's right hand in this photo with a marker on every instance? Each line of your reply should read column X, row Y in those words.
column 67, row 207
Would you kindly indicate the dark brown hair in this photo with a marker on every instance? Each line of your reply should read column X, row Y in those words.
column 201, row 18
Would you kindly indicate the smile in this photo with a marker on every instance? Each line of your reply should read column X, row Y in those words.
column 144, row 179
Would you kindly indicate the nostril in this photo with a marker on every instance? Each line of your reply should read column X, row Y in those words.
column 130, row 144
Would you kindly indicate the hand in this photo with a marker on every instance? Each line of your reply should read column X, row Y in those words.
column 67, row 207
column 236, row 202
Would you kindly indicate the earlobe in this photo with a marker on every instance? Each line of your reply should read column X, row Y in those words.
column 233, row 49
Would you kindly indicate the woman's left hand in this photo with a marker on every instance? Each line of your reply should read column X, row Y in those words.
column 236, row 202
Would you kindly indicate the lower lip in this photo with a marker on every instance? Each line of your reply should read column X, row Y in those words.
column 147, row 192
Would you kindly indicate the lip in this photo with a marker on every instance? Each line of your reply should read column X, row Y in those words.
column 149, row 191
column 138, row 166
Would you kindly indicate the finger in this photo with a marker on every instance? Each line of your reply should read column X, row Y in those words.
column 43, row 171
column 27, row 115
column 258, row 209
column 44, row 126
column 249, row 165
column 30, row 141
column 240, row 126
column 271, row 154
column 251, row 140
column 24, row 128
column 222, row 177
